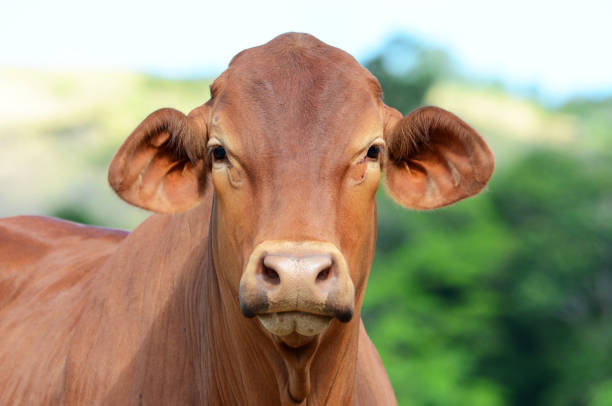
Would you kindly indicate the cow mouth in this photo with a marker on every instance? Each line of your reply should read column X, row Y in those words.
column 294, row 328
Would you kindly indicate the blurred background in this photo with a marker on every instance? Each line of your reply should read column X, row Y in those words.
column 503, row 299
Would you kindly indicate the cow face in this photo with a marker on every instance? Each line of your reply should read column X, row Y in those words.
column 295, row 139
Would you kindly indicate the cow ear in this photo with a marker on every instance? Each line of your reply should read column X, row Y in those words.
column 434, row 158
column 161, row 166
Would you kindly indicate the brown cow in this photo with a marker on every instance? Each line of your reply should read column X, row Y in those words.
column 246, row 287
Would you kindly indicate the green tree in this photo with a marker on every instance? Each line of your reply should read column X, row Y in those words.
column 406, row 69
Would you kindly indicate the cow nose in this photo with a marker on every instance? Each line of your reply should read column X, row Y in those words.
column 313, row 269
column 306, row 277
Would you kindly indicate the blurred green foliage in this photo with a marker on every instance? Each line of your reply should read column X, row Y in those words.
column 406, row 70
column 506, row 298
column 502, row 299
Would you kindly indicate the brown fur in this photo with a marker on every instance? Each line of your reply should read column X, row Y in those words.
column 95, row 316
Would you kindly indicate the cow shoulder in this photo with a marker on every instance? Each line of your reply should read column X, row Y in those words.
column 36, row 235
column 47, row 254
column 46, row 269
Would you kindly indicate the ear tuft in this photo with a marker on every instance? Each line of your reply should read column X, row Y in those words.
column 180, row 137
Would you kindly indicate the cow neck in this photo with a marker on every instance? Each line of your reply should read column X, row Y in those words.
column 242, row 364
column 149, row 292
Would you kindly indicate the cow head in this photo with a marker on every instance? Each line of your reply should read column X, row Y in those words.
column 296, row 139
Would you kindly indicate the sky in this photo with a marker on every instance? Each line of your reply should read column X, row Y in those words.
column 560, row 48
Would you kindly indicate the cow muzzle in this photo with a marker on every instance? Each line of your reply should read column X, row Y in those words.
column 297, row 287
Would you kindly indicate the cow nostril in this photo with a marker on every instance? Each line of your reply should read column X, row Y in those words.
column 271, row 276
column 324, row 274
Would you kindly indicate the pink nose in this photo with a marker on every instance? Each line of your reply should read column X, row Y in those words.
column 306, row 269
column 308, row 277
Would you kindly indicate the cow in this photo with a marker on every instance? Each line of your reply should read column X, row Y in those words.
column 245, row 286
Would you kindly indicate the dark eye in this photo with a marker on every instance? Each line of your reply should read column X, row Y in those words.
column 219, row 153
column 373, row 152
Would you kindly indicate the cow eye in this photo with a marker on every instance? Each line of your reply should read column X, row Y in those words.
column 219, row 153
column 373, row 152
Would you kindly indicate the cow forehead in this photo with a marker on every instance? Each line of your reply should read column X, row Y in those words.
column 295, row 94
